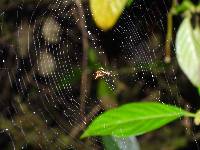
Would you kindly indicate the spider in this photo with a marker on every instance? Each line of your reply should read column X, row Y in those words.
column 101, row 73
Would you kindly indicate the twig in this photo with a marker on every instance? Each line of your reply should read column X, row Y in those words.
column 84, row 77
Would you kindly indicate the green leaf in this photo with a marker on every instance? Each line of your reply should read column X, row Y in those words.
column 134, row 119
column 104, row 90
column 93, row 62
column 106, row 12
column 184, row 6
column 198, row 89
column 116, row 143
column 92, row 56
column 129, row 3
column 188, row 51
column 106, row 95
column 197, row 118
column 109, row 143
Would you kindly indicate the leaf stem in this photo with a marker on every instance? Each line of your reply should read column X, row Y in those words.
column 189, row 114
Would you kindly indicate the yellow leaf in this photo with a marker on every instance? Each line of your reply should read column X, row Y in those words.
column 106, row 12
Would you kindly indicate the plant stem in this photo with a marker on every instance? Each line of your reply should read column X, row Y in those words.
column 169, row 32
column 189, row 114
column 85, row 46
column 168, row 37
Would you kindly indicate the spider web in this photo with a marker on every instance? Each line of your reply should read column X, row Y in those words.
column 45, row 64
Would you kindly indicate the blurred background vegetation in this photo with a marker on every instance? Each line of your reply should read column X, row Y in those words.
column 40, row 75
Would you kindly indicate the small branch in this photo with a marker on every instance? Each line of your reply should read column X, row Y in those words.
column 84, row 77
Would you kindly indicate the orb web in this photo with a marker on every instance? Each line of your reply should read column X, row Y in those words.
column 48, row 61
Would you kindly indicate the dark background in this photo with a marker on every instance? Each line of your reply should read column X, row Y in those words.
column 36, row 113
